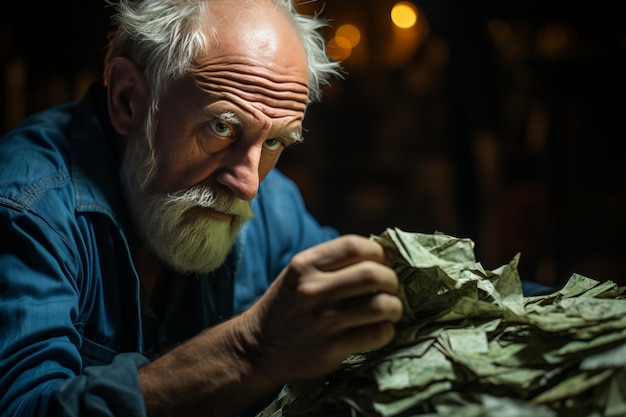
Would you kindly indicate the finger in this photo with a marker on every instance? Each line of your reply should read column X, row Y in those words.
column 364, row 278
column 361, row 311
column 364, row 338
column 341, row 252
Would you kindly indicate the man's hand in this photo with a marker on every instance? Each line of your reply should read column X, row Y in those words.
column 332, row 300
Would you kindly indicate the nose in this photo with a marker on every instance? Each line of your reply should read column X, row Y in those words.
column 240, row 172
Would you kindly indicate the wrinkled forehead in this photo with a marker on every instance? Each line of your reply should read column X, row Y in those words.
column 255, row 55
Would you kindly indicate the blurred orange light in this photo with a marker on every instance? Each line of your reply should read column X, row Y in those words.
column 350, row 33
column 343, row 42
column 404, row 14
column 337, row 49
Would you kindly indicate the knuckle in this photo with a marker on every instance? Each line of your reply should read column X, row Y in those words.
column 378, row 304
column 300, row 262
column 369, row 272
column 350, row 244
column 373, row 273
column 387, row 305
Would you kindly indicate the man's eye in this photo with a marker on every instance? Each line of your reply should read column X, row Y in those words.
column 272, row 144
column 221, row 129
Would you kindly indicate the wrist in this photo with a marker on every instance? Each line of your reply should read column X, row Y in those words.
column 250, row 349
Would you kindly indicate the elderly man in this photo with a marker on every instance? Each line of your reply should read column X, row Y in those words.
column 152, row 260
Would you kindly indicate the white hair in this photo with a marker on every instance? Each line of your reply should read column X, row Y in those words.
column 164, row 36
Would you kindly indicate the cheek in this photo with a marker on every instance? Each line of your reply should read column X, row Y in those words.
column 167, row 154
column 180, row 164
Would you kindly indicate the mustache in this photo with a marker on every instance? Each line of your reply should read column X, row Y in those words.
column 208, row 197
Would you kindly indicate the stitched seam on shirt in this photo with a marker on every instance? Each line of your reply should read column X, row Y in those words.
column 81, row 204
column 11, row 203
column 34, row 191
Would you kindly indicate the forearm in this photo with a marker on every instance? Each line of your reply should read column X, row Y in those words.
column 217, row 373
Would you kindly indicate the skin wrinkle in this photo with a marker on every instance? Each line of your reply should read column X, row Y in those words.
column 263, row 89
column 270, row 96
column 257, row 95
column 272, row 108
column 251, row 68
column 261, row 112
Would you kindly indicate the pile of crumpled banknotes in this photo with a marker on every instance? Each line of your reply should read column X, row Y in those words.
column 470, row 344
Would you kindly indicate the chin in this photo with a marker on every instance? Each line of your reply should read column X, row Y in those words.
column 198, row 246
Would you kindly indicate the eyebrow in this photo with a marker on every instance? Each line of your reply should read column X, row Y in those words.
column 231, row 118
column 296, row 136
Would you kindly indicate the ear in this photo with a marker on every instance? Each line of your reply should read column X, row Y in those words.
column 127, row 95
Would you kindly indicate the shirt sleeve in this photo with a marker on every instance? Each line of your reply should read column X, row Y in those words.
column 110, row 390
column 42, row 372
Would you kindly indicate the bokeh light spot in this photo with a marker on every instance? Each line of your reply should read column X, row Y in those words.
column 404, row 14
column 336, row 49
column 350, row 33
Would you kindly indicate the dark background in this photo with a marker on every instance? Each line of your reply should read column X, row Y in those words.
column 503, row 121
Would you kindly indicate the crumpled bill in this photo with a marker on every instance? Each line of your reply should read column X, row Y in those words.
column 471, row 344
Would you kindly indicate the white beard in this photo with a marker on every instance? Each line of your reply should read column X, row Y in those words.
column 187, row 240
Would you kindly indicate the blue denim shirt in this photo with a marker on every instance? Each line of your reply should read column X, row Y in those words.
column 71, row 330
